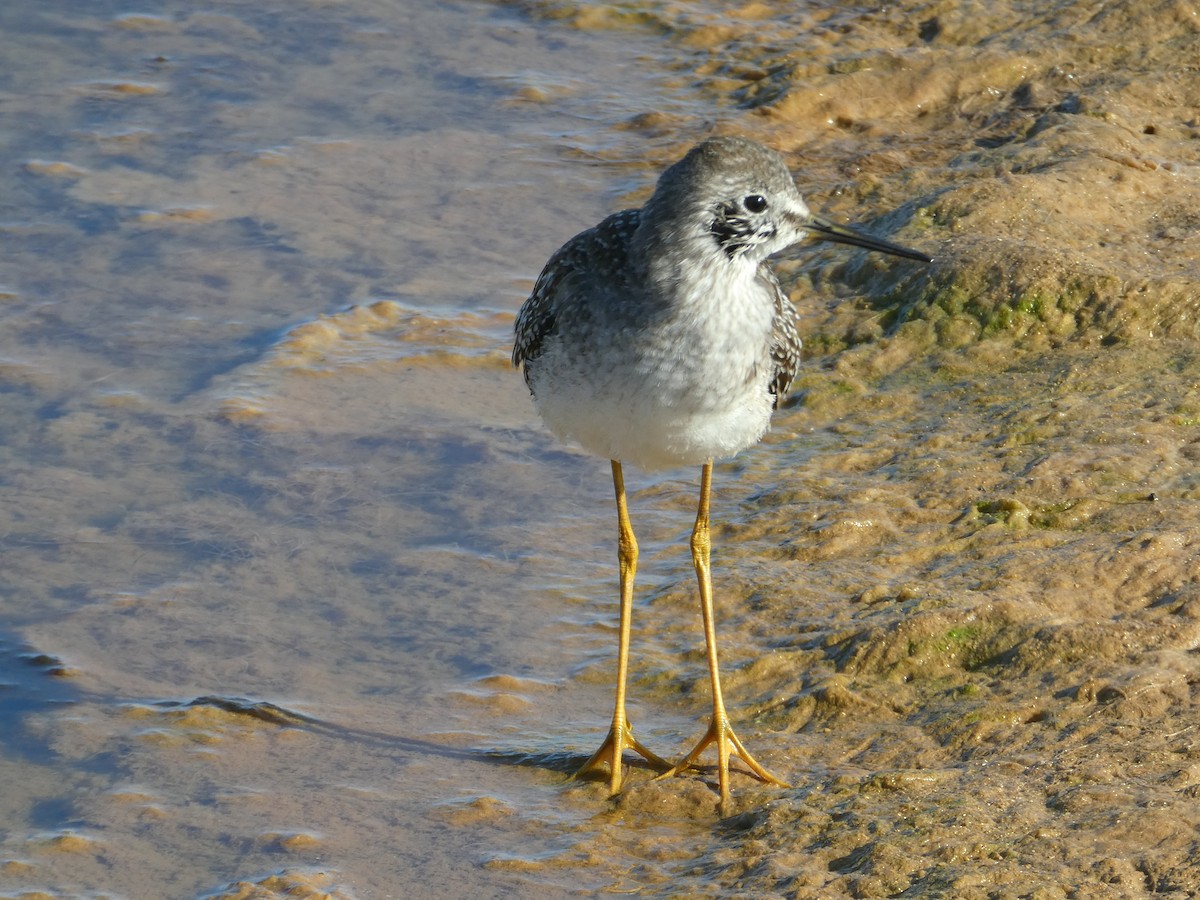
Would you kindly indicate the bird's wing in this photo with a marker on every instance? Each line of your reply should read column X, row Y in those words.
column 785, row 340
column 606, row 242
column 536, row 319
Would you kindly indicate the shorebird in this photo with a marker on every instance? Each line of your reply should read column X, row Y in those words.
column 661, row 337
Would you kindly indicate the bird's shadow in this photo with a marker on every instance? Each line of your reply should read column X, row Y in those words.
column 562, row 762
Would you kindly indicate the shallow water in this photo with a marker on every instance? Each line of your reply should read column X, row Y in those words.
column 260, row 446
column 299, row 599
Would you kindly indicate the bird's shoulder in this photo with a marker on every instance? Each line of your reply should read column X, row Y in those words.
column 598, row 256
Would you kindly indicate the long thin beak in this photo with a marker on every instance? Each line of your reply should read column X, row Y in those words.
column 824, row 230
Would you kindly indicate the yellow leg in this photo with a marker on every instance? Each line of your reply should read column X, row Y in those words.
column 719, row 732
column 620, row 735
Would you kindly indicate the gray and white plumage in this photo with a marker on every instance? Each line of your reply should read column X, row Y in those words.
column 661, row 336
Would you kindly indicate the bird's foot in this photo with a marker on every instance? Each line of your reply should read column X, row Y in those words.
column 721, row 733
column 608, row 757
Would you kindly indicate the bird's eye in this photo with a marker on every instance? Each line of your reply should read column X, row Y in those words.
column 755, row 203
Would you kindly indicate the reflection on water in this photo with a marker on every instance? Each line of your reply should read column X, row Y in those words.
column 299, row 598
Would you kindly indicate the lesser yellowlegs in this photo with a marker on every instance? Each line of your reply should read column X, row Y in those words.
column 661, row 337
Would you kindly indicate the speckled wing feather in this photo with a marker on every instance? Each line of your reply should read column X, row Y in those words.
column 607, row 242
column 536, row 319
column 785, row 339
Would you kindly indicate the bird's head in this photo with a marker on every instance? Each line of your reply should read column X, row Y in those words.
column 740, row 196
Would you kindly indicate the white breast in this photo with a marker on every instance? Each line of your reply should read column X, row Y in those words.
column 687, row 390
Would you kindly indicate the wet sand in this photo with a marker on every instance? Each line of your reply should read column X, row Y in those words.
column 299, row 598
